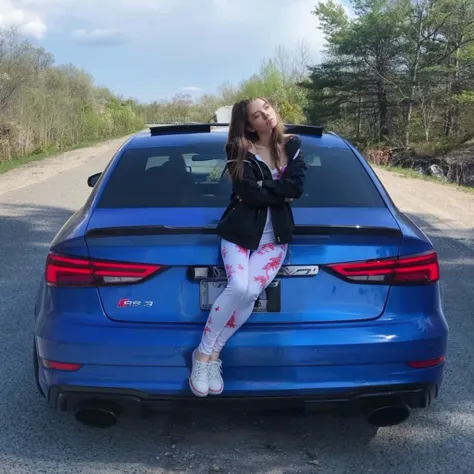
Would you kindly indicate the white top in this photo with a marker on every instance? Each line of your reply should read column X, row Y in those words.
column 268, row 236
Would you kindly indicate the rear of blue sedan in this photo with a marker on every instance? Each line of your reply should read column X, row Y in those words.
column 354, row 317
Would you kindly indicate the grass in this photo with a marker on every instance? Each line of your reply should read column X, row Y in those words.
column 24, row 160
column 409, row 173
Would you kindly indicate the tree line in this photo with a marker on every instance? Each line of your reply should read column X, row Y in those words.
column 44, row 107
column 278, row 79
column 395, row 73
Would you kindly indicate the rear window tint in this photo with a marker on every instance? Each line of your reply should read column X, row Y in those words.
column 191, row 176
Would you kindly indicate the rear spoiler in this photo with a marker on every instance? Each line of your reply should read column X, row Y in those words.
column 183, row 128
column 125, row 231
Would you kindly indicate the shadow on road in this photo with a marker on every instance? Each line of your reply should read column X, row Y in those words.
column 438, row 440
column 464, row 236
column 25, row 235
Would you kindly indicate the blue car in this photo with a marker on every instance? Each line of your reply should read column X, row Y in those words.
column 354, row 319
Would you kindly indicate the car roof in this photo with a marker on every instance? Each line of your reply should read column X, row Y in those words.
column 218, row 135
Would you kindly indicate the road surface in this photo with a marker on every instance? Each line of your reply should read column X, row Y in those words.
column 36, row 200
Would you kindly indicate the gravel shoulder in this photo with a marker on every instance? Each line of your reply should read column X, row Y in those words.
column 37, row 171
column 447, row 209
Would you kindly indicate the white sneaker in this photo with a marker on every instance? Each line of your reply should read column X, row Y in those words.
column 216, row 383
column 199, row 380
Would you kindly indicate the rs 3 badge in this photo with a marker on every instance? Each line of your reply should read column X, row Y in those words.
column 127, row 303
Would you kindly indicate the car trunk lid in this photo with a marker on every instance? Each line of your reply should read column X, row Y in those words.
column 184, row 241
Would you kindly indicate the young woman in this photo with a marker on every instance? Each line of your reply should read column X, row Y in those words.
column 267, row 170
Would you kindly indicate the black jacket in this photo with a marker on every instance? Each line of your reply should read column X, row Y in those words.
column 244, row 219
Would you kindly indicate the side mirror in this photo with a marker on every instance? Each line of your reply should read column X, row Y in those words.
column 92, row 180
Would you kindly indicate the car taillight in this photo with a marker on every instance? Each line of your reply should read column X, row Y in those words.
column 427, row 364
column 411, row 270
column 63, row 366
column 71, row 271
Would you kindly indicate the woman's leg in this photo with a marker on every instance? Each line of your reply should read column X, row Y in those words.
column 236, row 261
column 264, row 265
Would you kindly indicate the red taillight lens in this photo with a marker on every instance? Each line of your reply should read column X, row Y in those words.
column 71, row 271
column 63, row 366
column 427, row 364
column 412, row 270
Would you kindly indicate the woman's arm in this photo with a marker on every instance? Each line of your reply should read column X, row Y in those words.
column 249, row 190
column 291, row 184
column 251, row 193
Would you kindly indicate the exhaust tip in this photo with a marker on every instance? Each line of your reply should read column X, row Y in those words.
column 387, row 415
column 98, row 413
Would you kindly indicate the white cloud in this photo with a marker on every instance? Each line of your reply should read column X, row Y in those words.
column 275, row 21
column 222, row 7
column 95, row 11
column 98, row 37
column 193, row 89
column 28, row 22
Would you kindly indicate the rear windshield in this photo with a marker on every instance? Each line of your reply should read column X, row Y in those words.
column 191, row 176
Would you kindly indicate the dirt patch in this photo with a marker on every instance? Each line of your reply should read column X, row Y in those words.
column 450, row 210
column 40, row 170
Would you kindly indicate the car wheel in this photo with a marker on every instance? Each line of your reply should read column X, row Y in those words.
column 36, row 369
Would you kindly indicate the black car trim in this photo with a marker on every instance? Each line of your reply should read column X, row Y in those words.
column 65, row 398
column 124, row 231
column 185, row 128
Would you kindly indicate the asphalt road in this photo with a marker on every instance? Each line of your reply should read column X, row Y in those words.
column 35, row 439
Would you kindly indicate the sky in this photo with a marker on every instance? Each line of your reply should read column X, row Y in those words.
column 154, row 49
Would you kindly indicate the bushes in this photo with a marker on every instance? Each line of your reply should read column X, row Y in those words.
column 50, row 108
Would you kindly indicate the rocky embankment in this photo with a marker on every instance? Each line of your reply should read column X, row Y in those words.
column 455, row 166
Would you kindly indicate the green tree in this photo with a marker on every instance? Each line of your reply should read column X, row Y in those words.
column 46, row 107
column 397, row 71
column 368, row 46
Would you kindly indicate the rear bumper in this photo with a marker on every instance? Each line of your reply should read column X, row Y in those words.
column 324, row 368
column 68, row 398
column 310, row 362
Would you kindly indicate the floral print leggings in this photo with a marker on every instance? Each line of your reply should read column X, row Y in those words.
column 248, row 274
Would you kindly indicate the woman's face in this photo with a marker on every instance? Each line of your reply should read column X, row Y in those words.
column 262, row 116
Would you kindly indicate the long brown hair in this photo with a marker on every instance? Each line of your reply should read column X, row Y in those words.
column 240, row 139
